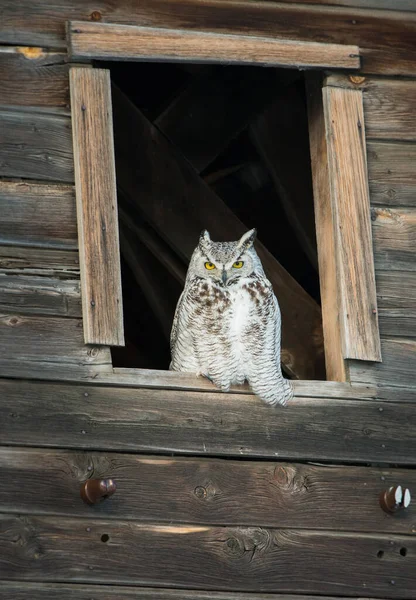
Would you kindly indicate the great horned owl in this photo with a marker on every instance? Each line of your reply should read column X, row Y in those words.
column 227, row 320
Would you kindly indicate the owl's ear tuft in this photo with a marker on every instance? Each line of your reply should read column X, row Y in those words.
column 204, row 237
column 247, row 240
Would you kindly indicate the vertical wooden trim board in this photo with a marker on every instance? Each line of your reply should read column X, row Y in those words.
column 336, row 367
column 96, row 200
column 344, row 226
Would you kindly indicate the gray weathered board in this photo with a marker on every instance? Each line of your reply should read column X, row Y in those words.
column 35, row 145
column 31, row 76
column 385, row 38
column 100, row 41
column 204, row 490
column 392, row 178
column 96, row 200
column 38, row 214
column 165, row 421
column 209, row 557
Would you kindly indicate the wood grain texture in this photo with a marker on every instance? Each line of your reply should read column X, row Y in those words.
column 389, row 105
column 36, row 214
column 394, row 235
column 209, row 491
column 164, row 421
column 47, row 340
column 398, row 368
column 347, row 167
column 336, row 368
column 31, row 76
column 96, row 199
column 169, row 205
column 208, row 113
column 62, row 591
column 396, row 297
column 34, row 145
column 220, row 558
column 392, row 177
column 39, row 260
column 386, row 38
column 100, row 41
column 37, row 295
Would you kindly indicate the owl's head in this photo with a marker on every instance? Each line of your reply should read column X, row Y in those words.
column 225, row 262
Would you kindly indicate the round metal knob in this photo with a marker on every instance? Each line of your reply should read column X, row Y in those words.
column 96, row 490
column 394, row 499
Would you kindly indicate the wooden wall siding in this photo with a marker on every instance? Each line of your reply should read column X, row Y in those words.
column 35, row 214
column 97, row 216
column 31, row 76
column 100, row 41
column 398, row 369
column 199, row 490
column 31, row 294
column 384, row 98
column 391, row 176
column 394, row 234
column 221, row 558
column 35, row 145
column 155, row 421
column 62, row 591
column 385, row 38
column 36, row 340
column 39, row 261
column 140, row 158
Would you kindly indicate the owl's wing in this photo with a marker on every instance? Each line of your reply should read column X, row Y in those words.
column 174, row 330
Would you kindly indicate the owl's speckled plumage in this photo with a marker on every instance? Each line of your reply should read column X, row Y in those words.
column 227, row 321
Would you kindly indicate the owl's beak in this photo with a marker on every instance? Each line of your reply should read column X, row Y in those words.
column 224, row 276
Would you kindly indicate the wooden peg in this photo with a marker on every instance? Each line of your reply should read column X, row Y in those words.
column 394, row 499
column 96, row 490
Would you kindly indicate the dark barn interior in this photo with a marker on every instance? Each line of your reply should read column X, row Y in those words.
column 244, row 130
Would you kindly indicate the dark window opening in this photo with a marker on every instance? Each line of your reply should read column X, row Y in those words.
column 254, row 155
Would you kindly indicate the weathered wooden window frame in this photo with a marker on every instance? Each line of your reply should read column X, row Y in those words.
column 339, row 166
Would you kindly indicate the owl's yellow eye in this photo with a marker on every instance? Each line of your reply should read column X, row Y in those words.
column 209, row 266
column 238, row 264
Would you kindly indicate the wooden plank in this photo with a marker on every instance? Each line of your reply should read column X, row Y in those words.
column 209, row 491
column 36, row 295
column 36, row 214
column 47, row 340
column 389, row 105
column 90, row 41
column 386, row 37
column 398, row 367
column 347, row 166
column 273, row 133
column 206, row 116
column 377, row 4
column 39, row 260
column 391, row 174
column 141, row 157
column 36, row 146
column 96, row 196
column 62, row 591
column 394, row 234
column 396, row 293
column 336, row 368
column 32, row 76
column 221, row 558
column 158, row 421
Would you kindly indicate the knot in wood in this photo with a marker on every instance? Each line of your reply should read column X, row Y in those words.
column 235, row 546
column 93, row 352
column 357, row 79
column 95, row 15
column 200, row 492
column 13, row 321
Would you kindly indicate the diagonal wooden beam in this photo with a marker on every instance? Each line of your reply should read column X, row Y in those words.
column 178, row 204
